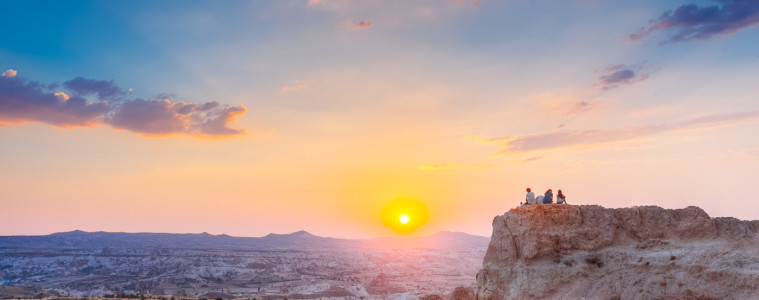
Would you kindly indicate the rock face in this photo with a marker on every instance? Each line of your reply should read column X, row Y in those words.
column 591, row 252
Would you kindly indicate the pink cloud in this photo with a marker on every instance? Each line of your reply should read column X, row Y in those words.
column 355, row 25
column 294, row 86
column 472, row 3
column 580, row 107
column 562, row 139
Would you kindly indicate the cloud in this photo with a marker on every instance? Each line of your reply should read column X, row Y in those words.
column 294, row 86
column 472, row 3
column 693, row 22
column 561, row 139
column 314, row 2
column 580, row 107
column 752, row 153
column 615, row 76
column 355, row 25
column 531, row 159
column 62, row 96
column 100, row 88
column 24, row 101
column 479, row 166
column 9, row 73
column 455, row 166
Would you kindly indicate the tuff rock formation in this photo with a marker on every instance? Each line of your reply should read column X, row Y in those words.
column 591, row 252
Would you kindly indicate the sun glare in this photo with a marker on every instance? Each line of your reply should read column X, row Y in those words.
column 403, row 219
column 404, row 215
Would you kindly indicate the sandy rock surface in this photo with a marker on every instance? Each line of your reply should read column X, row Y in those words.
column 591, row 252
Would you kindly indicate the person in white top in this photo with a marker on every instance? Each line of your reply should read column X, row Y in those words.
column 530, row 198
column 560, row 198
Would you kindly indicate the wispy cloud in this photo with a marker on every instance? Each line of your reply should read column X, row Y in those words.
column 693, row 22
column 561, row 139
column 295, row 86
column 567, row 103
column 580, row 107
column 479, row 166
column 615, row 76
column 24, row 101
column 355, row 25
column 472, row 3
column 531, row 159
column 455, row 166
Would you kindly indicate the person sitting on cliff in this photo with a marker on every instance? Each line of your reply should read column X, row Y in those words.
column 548, row 198
column 530, row 198
column 560, row 198
column 539, row 200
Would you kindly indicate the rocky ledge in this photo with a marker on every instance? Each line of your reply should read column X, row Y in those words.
column 592, row 252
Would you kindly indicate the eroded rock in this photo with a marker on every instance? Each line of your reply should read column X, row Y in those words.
column 591, row 252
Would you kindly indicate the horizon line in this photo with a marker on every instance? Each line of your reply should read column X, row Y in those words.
column 227, row 235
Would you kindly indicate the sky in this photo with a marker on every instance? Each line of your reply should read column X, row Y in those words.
column 251, row 117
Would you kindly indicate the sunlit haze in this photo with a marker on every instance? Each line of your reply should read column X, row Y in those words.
column 373, row 118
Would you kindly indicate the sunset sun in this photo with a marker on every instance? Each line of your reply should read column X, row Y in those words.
column 405, row 215
column 403, row 219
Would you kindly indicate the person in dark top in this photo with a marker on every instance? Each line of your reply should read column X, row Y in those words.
column 560, row 198
column 548, row 198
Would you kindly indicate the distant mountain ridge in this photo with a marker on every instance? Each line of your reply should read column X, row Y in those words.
column 78, row 239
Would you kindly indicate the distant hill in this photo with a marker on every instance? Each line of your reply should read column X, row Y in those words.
column 297, row 240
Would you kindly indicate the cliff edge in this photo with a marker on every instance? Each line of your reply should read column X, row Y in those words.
column 591, row 252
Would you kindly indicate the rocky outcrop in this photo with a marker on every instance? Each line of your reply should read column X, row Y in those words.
column 591, row 252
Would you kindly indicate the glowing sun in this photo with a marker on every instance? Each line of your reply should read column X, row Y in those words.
column 405, row 215
column 403, row 219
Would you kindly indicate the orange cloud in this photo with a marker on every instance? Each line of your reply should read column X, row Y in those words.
column 355, row 25
column 9, row 73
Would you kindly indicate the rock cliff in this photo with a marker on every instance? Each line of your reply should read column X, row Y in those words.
column 591, row 252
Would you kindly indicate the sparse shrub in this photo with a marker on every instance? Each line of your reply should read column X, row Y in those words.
column 594, row 260
column 431, row 297
column 568, row 262
column 463, row 293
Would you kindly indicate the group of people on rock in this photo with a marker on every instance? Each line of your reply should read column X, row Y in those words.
column 547, row 198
